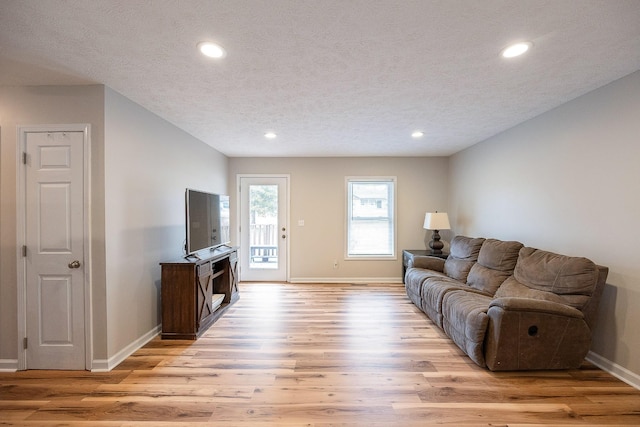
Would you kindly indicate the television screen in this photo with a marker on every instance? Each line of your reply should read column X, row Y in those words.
column 207, row 219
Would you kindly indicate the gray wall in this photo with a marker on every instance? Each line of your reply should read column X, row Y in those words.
column 148, row 165
column 318, row 197
column 35, row 105
column 567, row 181
column 141, row 165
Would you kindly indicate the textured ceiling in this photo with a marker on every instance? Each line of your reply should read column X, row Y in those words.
column 330, row 77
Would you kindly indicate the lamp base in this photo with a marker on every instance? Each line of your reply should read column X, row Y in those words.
column 435, row 244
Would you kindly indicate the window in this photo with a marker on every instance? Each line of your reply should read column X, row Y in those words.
column 371, row 217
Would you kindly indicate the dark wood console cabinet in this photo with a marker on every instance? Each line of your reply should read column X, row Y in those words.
column 188, row 286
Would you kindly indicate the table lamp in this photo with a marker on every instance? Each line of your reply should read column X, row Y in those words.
column 436, row 221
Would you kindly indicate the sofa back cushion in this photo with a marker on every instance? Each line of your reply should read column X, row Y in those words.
column 462, row 255
column 496, row 262
column 573, row 279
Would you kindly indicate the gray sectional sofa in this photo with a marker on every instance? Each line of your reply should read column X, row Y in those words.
column 507, row 306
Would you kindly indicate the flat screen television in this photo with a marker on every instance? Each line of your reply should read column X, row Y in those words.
column 207, row 219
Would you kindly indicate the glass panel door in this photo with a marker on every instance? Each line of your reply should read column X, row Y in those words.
column 263, row 228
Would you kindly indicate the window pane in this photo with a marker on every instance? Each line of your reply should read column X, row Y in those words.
column 263, row 220
column 370, row 225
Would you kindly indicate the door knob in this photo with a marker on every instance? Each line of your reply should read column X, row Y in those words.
column 284, row 236
column 74, row 264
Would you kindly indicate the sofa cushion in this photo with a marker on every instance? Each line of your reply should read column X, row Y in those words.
column 433, row 291
column 496, row 262
column 463, row 253
column 572, row 278
column 413, row 283
column 465, row 321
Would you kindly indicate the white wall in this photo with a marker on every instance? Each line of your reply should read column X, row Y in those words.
column 148, row 165
column 568, row 181
column 318, row 197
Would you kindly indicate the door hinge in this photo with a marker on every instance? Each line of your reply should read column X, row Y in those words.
column 25, row 342
column 24, row 157
column 24, row 250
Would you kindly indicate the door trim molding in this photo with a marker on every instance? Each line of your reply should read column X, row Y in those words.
column 288, row 211
column 21, row 141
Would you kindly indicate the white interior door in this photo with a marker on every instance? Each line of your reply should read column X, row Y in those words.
column 264, row 228
column 55, row 253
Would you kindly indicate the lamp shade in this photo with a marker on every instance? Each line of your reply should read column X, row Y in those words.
column 436, row 221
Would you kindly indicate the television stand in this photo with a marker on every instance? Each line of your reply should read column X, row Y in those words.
column 191, row 291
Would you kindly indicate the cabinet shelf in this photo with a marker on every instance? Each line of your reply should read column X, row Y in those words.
column 217, row 274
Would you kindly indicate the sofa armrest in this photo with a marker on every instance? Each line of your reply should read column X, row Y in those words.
column 525, row 334
column 536, row 305
column 427, row 262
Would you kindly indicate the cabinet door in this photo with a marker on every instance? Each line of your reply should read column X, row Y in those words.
column 204, row 285
column 233, row 274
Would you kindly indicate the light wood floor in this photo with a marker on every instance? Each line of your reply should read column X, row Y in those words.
column 315, row 355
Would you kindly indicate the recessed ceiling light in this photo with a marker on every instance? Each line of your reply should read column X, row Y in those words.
column 212, row 50
column 270, row 135
column 516, row 49
column 417, row 134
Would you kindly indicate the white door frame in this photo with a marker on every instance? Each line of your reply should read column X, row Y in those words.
column 287, row 177
column 21, row 235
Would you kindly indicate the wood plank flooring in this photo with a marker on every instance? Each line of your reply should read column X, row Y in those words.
column 315, row 355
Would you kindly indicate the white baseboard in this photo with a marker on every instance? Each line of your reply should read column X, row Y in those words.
column 105, row 365
column 614, row 369
column 8, row 365
column 358, row 280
